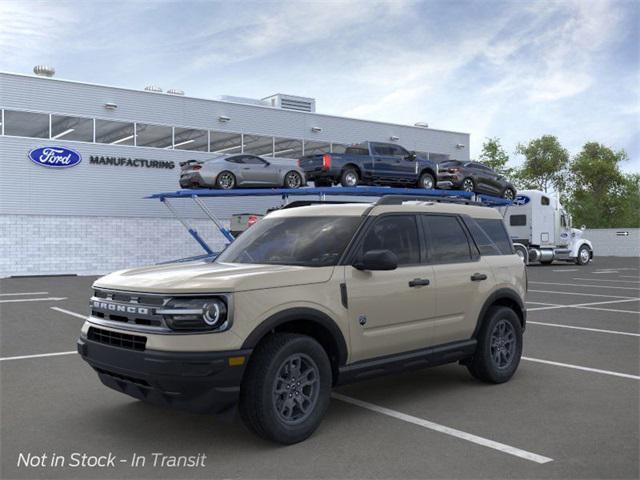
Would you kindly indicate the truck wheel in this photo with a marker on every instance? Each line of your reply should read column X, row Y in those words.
column 546, row 262
column 226, row 180
column 285, row 391
column 349, row 178
column 499, row 346
column 468, row 185
column 427, row 181
column 584, row 255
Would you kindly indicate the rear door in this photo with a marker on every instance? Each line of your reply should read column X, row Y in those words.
column 462, row 277
column 390, row 311
column 383, row 160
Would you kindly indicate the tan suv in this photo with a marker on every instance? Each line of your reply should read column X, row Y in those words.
column 309, row 298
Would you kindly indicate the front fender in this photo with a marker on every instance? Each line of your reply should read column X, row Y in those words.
column 579, row 243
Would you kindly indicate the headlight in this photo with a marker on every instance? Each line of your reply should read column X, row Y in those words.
column 197, row 314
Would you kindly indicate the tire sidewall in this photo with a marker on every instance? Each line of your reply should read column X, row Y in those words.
column 276, row 429
column 579, row 258
column 473, row 185
column 289, row 173
column 495, row 374
column 421, row 181
column 225, row 173
column 343, row 177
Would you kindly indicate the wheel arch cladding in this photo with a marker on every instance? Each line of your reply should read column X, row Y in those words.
column 353, row 166
column 503, row 297
column 306, row 321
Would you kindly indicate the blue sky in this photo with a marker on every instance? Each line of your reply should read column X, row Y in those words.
column 514, row 70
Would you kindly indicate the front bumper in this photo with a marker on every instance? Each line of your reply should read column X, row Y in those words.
column 201, row 382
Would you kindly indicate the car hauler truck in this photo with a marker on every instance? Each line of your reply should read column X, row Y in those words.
column 541, row 230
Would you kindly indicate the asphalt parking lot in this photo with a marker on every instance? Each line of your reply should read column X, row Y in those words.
column 571, row 411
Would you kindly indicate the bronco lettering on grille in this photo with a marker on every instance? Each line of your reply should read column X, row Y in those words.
column 115, row 307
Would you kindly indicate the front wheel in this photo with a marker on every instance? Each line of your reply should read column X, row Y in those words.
column 509, row 194
column 427, row 181
column 293, row 179
column 584, row 255
column 285, row 391
column 468, row 185
column 226, row 180
column 499, row 346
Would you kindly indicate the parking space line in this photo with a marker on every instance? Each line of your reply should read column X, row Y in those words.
column 566, row 270
column 48, row 299
column 23, row 293
column 73, row 314
column 609, row 310
column 604, row 280
column 485, row 442
column 40, row 355
column 587, row 286
column 586, row 305
column 586, row 329
column 546, row 304
column 582, row 294
column 628, row 276
column 580, row 367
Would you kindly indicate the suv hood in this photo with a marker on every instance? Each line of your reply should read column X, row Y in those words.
column 205, row 277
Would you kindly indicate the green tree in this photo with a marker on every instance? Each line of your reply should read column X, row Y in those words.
column 600, row 195
column 545, row 164
column 494, row 156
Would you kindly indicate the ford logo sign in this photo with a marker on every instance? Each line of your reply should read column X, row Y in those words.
column 521, row 200
column 55, row 157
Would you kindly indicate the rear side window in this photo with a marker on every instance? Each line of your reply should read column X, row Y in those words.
column 356, row 151
column 497, row 234
column 518, row 220
column 447, row 240
column 397, row 233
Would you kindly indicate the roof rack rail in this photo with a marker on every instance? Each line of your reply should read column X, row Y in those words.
column 307, row 203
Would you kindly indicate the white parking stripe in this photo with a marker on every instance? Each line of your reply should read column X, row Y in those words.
column 547, row 304
column 567, row 270
column 579, row 367
column 23, row 293
column 485, row 442
column 610, row 310
column 597, row 330
column 23, row 357
column 604, row 280
column 587, row 286
column 581, row 294
column 48, row 299
column 585, row 305
column 73, row 314
column 605, row 272
column 628, row 276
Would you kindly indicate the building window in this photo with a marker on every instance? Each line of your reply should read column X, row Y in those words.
column 26, row 124
column 225, row 143
column 114, row 133
column 438, row 157
column 287, row 148
column 71, row 128
column 258, row 145
column 338, row 147
column 313, row 148
column 190, row 139
column 157, row 136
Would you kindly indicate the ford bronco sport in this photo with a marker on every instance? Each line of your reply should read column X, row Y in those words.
column 310, row 298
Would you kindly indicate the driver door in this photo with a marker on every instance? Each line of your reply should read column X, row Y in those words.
column 256, row 170
column 389, row 312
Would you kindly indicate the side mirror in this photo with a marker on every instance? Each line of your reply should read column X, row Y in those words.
column 412, row 155
column 377, row 260
column 583, row 228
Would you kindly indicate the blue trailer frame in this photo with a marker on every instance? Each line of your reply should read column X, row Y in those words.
column 321, row 192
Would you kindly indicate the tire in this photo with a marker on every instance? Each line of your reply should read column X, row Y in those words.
column 584, row 255
column 546, row 262
column 427, row 181
column 468, row 185
column 487, row 363
column 349, row 178
column 265, row 413
column 292, row 179
column 225, row 180
column 508, row 194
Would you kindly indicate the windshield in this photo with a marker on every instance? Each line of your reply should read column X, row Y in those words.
column 305, row 241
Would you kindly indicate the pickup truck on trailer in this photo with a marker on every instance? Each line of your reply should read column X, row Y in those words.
column 371, row 163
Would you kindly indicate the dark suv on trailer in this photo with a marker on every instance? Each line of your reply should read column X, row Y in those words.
column 474, row 177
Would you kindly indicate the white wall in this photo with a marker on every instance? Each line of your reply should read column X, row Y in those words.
column 607, row 242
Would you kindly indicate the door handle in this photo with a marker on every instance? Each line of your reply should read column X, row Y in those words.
column 478, row 277
column 246, row 168
column 419, row 282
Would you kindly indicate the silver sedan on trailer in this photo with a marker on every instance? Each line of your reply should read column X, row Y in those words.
column 241, row 170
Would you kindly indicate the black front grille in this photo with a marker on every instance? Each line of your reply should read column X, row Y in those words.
column 117, row 339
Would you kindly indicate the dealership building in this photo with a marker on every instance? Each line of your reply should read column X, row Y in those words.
column 92, row 217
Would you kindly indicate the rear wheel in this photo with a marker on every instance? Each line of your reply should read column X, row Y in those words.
column 427, row 181
column 349, row 178
column 509, row 194
column 293, row 179
column 226, row 180
column 584, row 255
column 285, row 391
column 468, row 185
column 499, row 346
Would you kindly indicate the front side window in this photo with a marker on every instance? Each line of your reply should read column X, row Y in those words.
column 448, row 241
column 304, row 241
column 251, row 160
column 397, row 233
